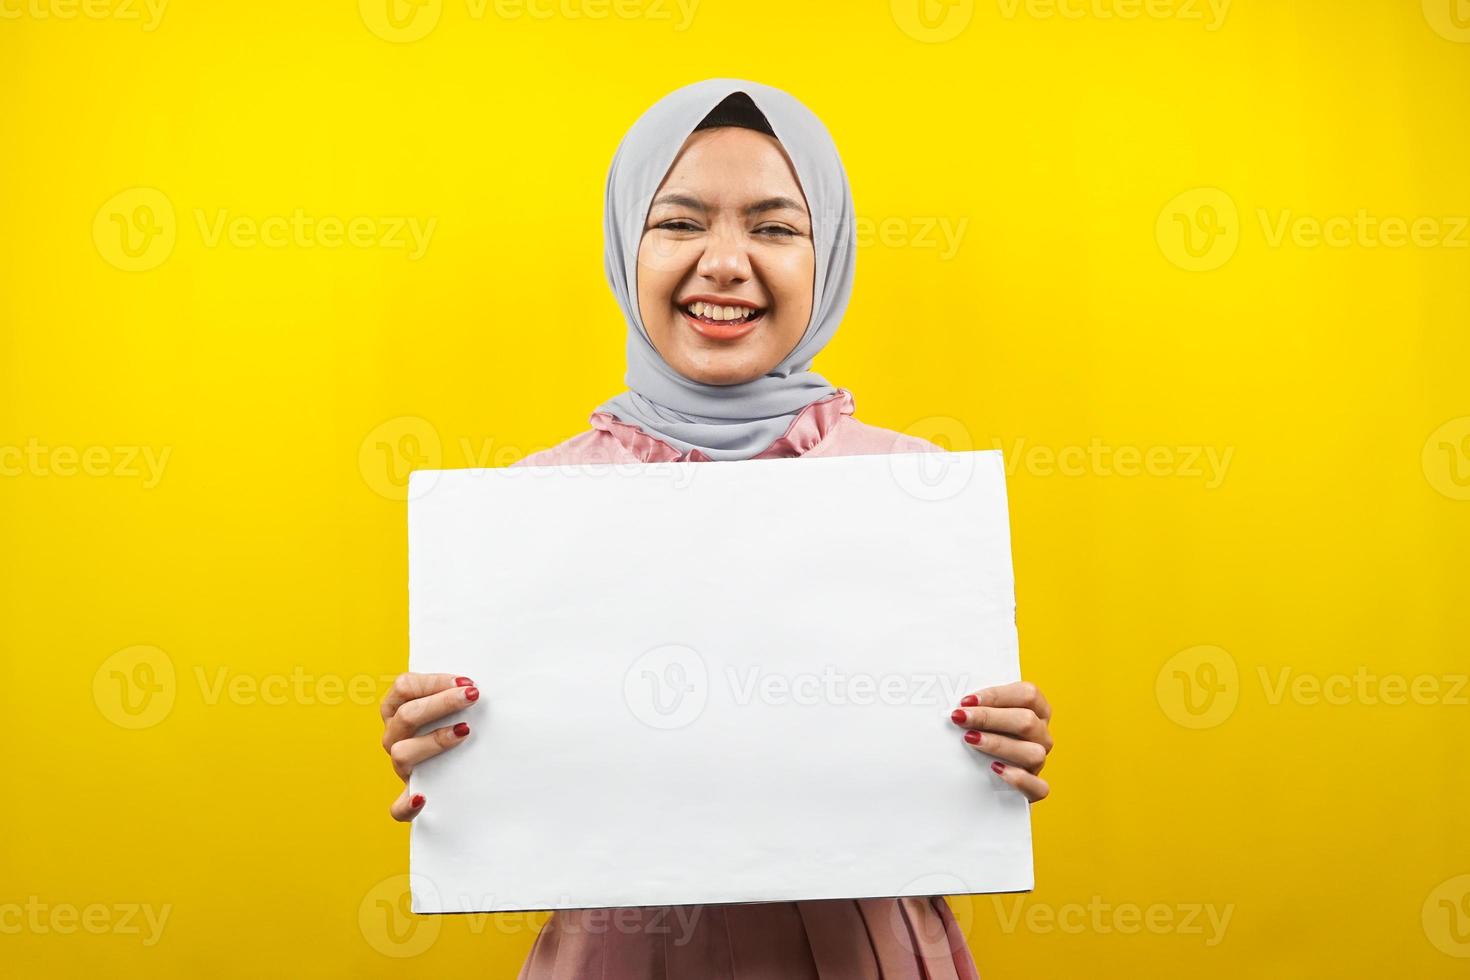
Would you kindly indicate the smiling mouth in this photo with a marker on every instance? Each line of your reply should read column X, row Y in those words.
column 722, row 322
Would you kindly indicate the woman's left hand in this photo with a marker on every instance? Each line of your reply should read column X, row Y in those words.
column 1010, row 722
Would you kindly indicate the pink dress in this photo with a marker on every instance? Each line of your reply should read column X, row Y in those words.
column 857, row 939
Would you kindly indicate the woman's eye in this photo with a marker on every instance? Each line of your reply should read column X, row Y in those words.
column 678, row 224
column 779, row 231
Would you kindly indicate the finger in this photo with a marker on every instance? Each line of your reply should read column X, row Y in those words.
column 1027, row 755
column 407, row 806
column 1034, row 788
column 1021, row 722
column 410, row 687
column 413, row 715
column 409, row 752
column 1021, row 694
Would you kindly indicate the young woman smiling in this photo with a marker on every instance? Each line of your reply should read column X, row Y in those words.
column 730, row 248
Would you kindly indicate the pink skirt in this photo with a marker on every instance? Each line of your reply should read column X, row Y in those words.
column 862, row 939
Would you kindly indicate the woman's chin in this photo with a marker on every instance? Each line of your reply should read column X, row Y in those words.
column 720, row 367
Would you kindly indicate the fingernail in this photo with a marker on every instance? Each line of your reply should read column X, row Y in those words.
column 472, row 694
column 463, row 682
column 461, row 729
column 416, row 802
column 998, row 767
column 972, row 737
column 957, row 716
column 970, row 701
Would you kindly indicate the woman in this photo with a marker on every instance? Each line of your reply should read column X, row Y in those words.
column 730, row 220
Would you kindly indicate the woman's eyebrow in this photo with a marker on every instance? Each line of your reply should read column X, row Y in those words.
column 775, row 204
column 759, row 207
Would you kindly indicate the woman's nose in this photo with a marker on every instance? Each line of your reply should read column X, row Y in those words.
column 725, row 258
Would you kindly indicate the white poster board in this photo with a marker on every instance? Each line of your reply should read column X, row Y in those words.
column 714, row 682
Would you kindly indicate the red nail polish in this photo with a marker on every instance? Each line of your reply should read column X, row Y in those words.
column 957, row 716
column 970, row 701
column 461, row 729
column 972, row 737
column 472, row 694
column 463, row 682
column 416, row 802
column 999, row 767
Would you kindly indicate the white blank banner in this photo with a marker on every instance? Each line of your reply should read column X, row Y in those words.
column 714, row 682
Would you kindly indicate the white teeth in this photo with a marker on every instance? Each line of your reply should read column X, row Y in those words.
column 720, row 312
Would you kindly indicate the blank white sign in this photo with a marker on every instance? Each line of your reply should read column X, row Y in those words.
column 714, row 682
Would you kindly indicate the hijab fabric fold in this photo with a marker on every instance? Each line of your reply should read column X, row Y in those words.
column 725, row 422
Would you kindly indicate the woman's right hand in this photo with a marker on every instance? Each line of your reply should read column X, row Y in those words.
column 412, row 702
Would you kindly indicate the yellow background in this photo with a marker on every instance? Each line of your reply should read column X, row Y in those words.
column 269, row 552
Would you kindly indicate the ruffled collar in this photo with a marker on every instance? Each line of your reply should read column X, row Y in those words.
column 811, row 426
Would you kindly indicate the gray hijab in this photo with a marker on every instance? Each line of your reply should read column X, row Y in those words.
column 736, row 421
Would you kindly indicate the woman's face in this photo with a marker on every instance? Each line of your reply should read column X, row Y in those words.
column 725, row 265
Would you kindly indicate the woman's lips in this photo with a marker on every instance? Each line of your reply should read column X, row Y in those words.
column 721, row 329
